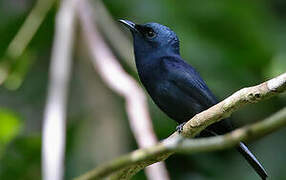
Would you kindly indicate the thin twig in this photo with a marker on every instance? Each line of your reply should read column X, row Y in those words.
column 53, row 147
column 25, row 34
column 29, row 28
column 118, row 80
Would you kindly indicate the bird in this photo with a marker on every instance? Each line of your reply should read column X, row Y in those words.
column 175, row 86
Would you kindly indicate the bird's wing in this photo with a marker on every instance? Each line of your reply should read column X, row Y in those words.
column 188, row 80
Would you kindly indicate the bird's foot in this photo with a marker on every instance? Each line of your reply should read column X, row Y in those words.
column 179, row 128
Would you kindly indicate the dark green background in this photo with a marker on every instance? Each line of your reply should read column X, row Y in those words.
column 232, row 43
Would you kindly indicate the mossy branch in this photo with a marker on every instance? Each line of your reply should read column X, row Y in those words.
column 126, row 166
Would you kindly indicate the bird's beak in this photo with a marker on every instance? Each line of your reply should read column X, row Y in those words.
column 130, row 25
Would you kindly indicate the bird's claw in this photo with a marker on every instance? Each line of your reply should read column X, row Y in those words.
column 180, row 127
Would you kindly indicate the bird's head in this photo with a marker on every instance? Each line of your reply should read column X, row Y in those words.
column 152, row 38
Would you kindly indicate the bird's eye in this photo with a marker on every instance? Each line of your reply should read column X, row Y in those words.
column 150, row 34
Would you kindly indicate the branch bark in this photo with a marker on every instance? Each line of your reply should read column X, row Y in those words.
column 126, row 166
column 176, row 144
column 226, row 107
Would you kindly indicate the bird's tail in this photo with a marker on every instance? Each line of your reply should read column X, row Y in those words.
column 251, row 159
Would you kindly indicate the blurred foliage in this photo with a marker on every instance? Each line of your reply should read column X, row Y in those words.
column 21, row 159
column 18, row 71
column 9, row 127
column 232, row 44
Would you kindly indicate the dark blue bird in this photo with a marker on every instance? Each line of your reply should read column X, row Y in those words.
column 175, row 86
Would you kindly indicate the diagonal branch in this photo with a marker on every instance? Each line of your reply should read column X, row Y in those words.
column 112, row 33
column 123, row 84
column 24, row 36
column 226, row 107
column 126, row 166
column 176, row 144
column 29, row 28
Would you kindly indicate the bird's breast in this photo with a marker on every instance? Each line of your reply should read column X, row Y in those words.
column 167, row 96
column 171, row 100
